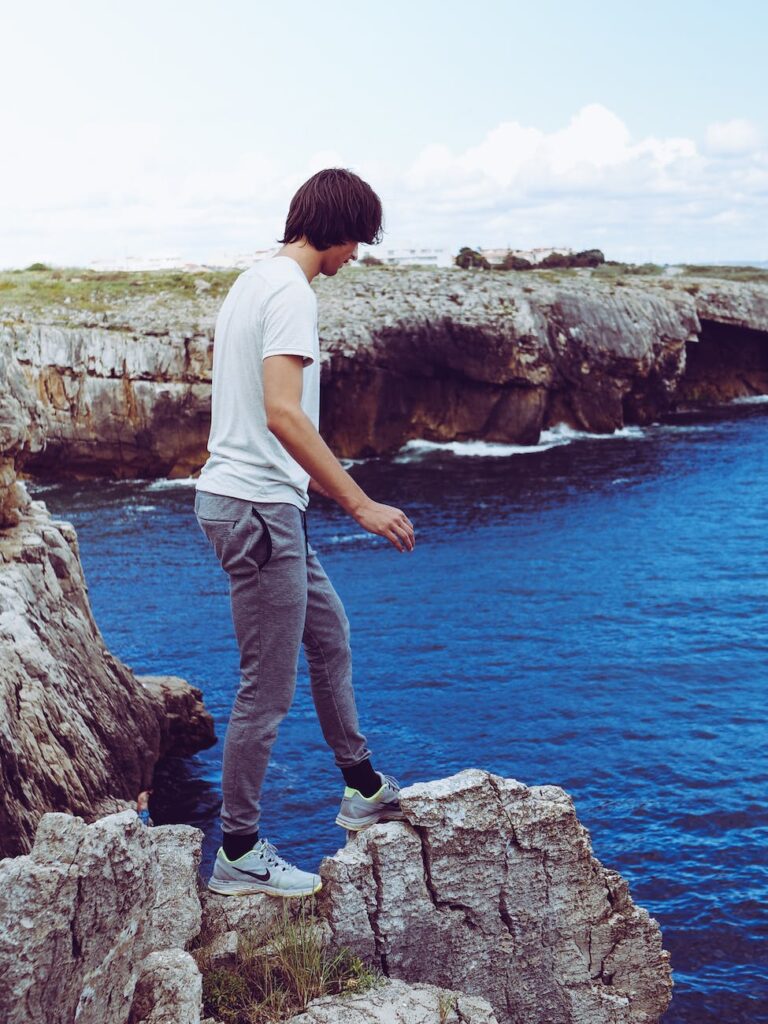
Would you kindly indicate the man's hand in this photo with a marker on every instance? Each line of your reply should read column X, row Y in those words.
column 387, row 521
column 300, row 438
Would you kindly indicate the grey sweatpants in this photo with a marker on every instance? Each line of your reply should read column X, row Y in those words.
column 280, row 598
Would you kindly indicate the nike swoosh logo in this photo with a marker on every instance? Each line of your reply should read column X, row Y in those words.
column 253, row 874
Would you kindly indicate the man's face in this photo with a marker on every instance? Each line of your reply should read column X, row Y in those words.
column 337, row 256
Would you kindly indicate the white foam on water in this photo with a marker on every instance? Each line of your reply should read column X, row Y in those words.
column 563, row 434
column 160, row 485
column 550, row 438
column 749, row 400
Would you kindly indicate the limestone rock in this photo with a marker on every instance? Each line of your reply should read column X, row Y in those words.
column 169, row 990
column 490, row 887
column 256, row 913
column 395, row 1002
column 185, row 725
column 21, row 432
column 77, row 729
column 82, row 911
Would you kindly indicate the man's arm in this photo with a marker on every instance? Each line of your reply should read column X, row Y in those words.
column 289, row 423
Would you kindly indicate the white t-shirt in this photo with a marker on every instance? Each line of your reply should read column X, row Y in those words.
column 270, row 309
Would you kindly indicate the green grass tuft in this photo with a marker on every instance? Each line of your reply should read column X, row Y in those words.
column 276, row 975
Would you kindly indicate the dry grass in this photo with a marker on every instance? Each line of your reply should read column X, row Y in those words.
column 727, row 273
column 98, row 291
column 276, row 975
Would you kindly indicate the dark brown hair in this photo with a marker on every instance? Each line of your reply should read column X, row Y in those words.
column 332, row 207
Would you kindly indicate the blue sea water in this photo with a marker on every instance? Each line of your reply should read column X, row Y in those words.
column 589, row 613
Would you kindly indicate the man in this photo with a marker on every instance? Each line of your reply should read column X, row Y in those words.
column 265, row 454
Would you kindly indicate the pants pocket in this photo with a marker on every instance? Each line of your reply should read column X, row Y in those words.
column 243, row 545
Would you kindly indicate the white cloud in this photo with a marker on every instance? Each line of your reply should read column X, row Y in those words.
column 732, row 138
column 661, row 198
column 108, row 190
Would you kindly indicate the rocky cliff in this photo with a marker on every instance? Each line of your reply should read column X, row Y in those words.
column 486, row 905
column 406, row 352
column 78, row 731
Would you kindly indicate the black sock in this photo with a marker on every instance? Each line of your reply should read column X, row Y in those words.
column 363, row 777
column 237, row 846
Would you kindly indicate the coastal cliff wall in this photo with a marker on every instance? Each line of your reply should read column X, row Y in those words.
column 417, row 353
column 78, row 731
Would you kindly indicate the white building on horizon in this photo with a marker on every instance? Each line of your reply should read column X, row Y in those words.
column 532, row 255
column 404, row 255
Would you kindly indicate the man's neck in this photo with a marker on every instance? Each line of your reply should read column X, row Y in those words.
column 308, row 258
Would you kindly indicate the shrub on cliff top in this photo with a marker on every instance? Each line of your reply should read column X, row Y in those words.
column 470, row 259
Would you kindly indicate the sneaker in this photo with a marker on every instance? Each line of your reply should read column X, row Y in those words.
column 358, row 811
column 261, row 870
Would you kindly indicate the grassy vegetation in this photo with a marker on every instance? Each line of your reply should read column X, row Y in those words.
column 276, row 975
column 60, row 292
column 39, row 287
column 727, row 273
column 615, row 270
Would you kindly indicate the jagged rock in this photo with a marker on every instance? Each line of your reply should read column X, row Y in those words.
column 76, row 726
column 490, row 886
column 185, row 725
column 395, row 1002
column 169, row 990
column 82, row 911
column 442, row 354
column 21, row 431
column 257, row 913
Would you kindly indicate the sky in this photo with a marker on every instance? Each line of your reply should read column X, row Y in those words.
column 169, row 128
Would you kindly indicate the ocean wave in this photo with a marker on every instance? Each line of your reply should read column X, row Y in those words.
column 749, row 400
column 560, row 434
column 162, row 484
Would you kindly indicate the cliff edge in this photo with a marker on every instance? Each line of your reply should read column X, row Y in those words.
column 439, row 354
column 78, row 731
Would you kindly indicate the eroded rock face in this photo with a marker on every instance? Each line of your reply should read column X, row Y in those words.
column 78, row 731
column 89, row 912
column 21, row 432
column 118, row 402
column 491, row 887
column 441, row 354
column 169, row 990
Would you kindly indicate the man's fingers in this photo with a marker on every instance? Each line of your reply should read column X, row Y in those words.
column 405, row 541
column 395, row 539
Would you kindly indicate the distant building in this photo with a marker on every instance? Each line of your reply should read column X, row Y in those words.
column 532, row 255
column 404, row 256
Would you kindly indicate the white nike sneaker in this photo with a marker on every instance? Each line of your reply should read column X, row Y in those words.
column 358, row 812
column 261, row 870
